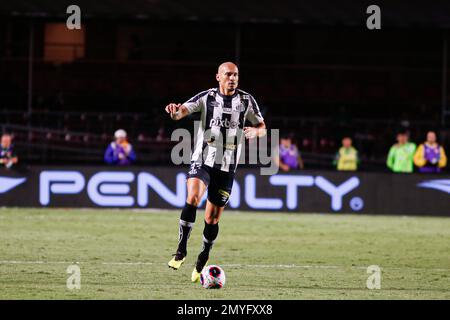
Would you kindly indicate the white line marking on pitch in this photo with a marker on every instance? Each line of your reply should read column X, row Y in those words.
column 283, row 266
column 269, row 266
column 34, row 262
column 129, row 263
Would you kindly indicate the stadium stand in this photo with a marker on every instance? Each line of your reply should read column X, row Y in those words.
column 313, row 80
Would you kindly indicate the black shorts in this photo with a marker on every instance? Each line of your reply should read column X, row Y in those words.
column 219, row 182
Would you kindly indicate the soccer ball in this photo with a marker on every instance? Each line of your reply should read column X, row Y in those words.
column 212, row 277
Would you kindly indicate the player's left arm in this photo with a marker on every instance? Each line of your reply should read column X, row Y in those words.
column 255, row 117
column 258, row 131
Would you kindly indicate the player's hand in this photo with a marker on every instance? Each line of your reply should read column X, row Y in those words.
column 172, row 109
column 250, row 132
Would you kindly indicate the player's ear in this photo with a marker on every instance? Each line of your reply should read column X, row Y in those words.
column 217, row 77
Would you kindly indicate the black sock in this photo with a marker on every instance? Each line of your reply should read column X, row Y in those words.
column 210, row 233
column 187, row 221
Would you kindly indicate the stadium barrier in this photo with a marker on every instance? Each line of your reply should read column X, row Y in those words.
column 164, row 187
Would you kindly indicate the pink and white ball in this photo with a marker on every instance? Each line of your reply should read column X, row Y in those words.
column 212, row 277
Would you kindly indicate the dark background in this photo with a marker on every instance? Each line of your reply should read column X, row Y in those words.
column 316, row 70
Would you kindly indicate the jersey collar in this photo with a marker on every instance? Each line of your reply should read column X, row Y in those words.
column 227, row 97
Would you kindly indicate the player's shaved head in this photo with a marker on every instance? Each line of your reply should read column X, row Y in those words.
column 227, row 66
column 228, row 78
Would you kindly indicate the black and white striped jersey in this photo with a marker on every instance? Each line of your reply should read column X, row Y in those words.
column 220, row 134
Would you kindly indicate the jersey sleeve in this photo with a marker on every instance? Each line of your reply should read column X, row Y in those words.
column 419, row 159
column 391, row 158
column 254, row 114
column 443, row 158
column 196, row 103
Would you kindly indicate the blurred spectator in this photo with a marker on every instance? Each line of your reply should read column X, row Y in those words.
column 161, row 136
column 430, row 156
column 400, row 157
column 120, row 152
column 289, row 156
column 347, row 157
column 8, row 157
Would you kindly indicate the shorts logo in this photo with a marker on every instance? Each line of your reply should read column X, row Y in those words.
column 194, row 168
column 217, row 122
column 225, row 195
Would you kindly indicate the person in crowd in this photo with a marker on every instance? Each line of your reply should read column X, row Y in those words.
column 401, row 154
column 8, row 157
column 347, row 157
column 430, row 156
column 289, row 155
column 120, row 152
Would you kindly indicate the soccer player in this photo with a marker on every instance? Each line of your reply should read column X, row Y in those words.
column 224, row 111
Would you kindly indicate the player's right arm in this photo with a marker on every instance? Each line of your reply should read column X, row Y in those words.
column 177, row 111
column 194, row 104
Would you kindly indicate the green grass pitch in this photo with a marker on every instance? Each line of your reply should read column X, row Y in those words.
column 123, row 254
